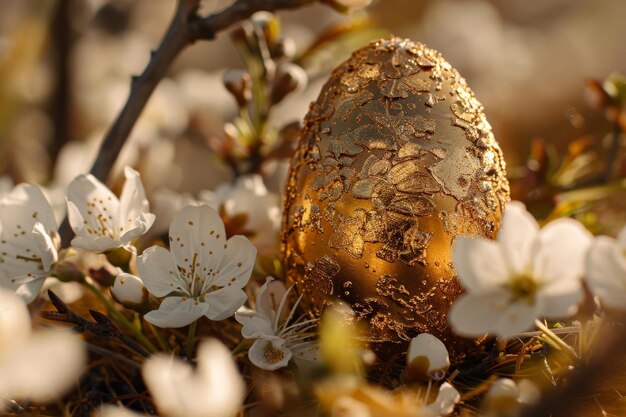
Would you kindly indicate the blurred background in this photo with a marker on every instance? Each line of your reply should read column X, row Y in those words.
column 65, row 70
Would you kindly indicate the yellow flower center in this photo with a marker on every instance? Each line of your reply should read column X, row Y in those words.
column 272, row 355
column 524, row 287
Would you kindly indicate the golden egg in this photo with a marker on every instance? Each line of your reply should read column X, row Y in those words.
column 395, row 160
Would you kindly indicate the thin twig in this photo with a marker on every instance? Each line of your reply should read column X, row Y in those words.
column 118, row 357
column 185, row 28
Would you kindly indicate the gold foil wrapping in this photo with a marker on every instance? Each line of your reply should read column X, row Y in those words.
column 395, row 160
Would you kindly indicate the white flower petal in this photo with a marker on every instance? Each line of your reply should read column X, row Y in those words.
column 606, row 272
column 142, row 224
column 269, row 297
column 474, row 315
column 96, row 205
column 561, row 299
column 269, row 354
column 95, row 244
column 236, row 265
column 255, row 325
column 15, row 325
column 223, row 303
column 23, row 207
column 249, row 196
column 559, row 251
column 29, row 291
column 171, row 383
column 133, row 218
column 219, row 371
column 159, row 273
column 479, row 263
column 197, row 239
column 44, row 246
column 177, row 312
column 45, row 366
column 447, row 398
column 516, row 317
column 133, row 201
column 21, row 269
column 428, row 346
column 517, row 235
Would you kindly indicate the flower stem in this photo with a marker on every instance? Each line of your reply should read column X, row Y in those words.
column 191, row 338
column 241, row 347
column 120, row 318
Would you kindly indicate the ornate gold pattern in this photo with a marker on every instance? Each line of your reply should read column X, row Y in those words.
column 395, row 160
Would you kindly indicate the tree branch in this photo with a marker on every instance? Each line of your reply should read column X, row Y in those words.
column 185, row 28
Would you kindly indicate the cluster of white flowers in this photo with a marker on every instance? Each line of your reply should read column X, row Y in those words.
column 202, row 274
column 529, row 273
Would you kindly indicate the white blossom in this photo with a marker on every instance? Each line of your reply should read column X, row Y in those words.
column 278, row 336
column 505, row 397
column 525, row 274
column 40, row 365
column 28, row 232
column 606, row 270
column 213, row 389
column 428, row 355
column 249, row 197
column 100, row 220
column 202, row 274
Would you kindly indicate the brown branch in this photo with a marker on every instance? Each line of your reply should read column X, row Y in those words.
column 185, row 28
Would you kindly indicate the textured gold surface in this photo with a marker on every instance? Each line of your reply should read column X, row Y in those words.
column 395, row 160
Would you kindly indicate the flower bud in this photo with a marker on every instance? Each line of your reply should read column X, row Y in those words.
column 427, row 358
column 129, row 291
column 289, row 78
column 237, row 82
